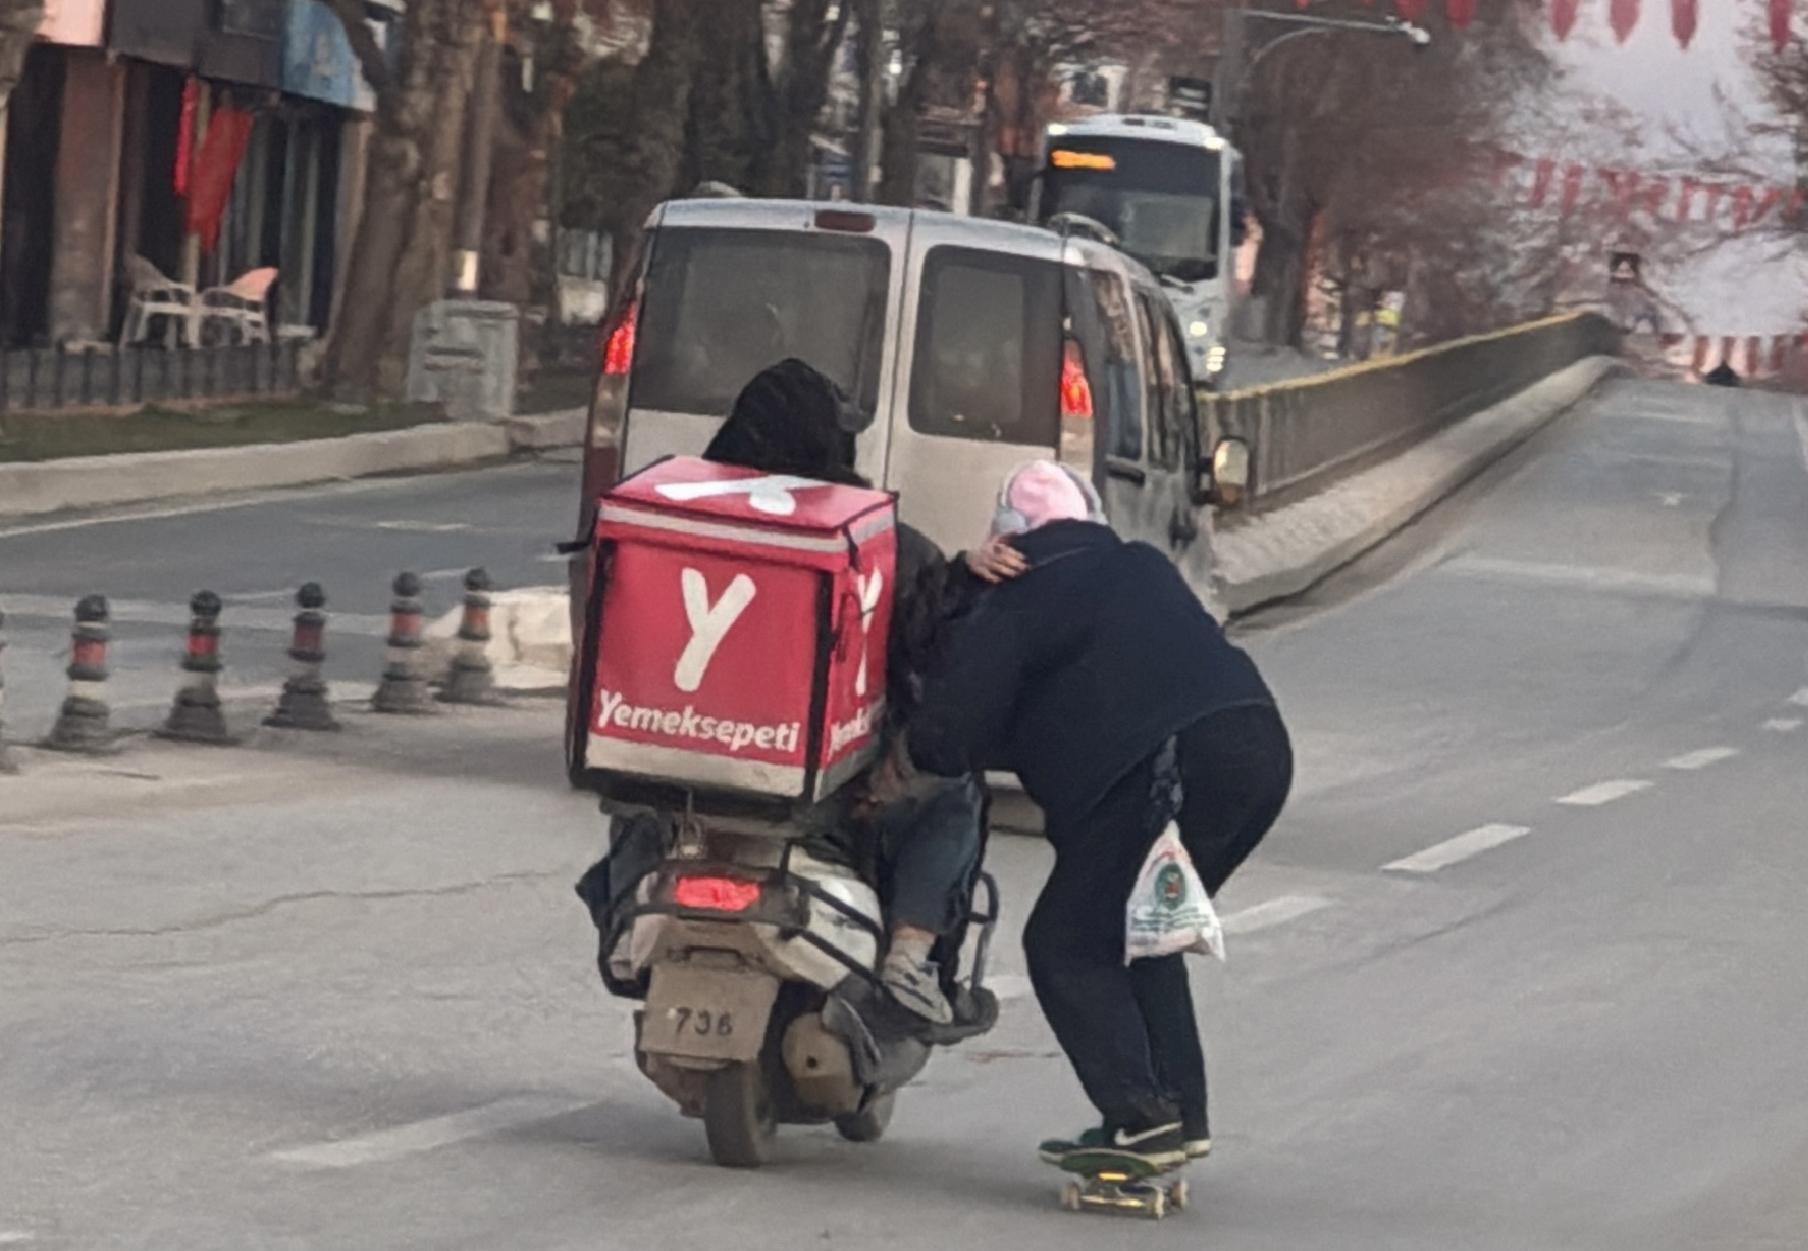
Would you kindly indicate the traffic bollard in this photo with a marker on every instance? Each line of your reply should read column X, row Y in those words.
column 404, row 686
column 84, row 722
column 6, row 760
column 196, row 716
column 304, row 705
column 471, row 678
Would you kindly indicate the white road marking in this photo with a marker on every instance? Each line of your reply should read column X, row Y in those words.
column 15, row 1237
column 1277, row 911
column 151, row 612
column 1604, row 792
column 1456, row 850
column 302, row 494
column 1783, row 725
column 1588, row 577
column 1701, row 759
column 1009, row 986
column 1800, row 698
column 424, row 527
column 440, row 1131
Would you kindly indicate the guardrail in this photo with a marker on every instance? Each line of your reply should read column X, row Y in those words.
column 52, row 379
column 1303, row 432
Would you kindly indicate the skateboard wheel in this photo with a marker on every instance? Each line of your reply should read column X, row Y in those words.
column 1179, row 1196
column 1070, row 1196
column 1158, row 1205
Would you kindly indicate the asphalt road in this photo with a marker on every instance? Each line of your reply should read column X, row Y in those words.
column 337, row 993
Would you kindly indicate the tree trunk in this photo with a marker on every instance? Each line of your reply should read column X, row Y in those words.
column 869, row 65
column 812, row 39
column 401, row 259
column 653, row 138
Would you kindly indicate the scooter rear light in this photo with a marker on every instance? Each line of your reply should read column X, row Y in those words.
column 618, row 351
column 716, row 894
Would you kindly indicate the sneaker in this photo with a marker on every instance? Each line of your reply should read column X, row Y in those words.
column 1055, row 1150
column 1198, row 1138
column 1156, row 1150
column 917, row 987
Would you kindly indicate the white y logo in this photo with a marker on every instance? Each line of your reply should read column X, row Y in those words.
column 871, row 586
column 770, row 495
column 709, row 623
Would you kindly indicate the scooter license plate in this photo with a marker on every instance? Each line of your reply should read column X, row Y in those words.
column 707, row 1014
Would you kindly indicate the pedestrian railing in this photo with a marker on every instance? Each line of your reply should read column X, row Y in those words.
column 59, row 379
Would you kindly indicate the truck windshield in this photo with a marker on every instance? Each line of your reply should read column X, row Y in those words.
column 1160, row 198
column 721, row 305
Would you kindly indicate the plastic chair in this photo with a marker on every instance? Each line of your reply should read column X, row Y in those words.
column 241, row 307
column 155, row 294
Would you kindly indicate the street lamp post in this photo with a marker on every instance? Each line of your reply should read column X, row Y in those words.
column 1233, row 73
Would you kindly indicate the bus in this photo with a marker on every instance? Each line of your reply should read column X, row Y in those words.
column 1168, row 191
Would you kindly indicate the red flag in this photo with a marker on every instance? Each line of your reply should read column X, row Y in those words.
column 1655, row 193
column 1541, row 181
column 1768, row 199
column 1792, row 210
column 1780, row 12
column 1742, row 207
column 185, row 137
column 1572, row 187
column 1624, row 15
column 1460, row 12
column 215, row 170
column 1411, row 10
column 1563, row 16
column 1684, row 15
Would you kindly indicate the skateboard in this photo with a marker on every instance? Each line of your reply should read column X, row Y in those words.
column 1115, row 1185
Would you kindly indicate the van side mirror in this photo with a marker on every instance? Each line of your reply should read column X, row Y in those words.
column 1227, row 478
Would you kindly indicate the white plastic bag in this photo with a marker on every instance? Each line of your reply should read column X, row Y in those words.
column 1169, row 912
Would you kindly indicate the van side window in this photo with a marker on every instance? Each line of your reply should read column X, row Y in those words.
column 1100, row 314
column 1185, row 404
column 1158, row 378
column 987, row 360
column 1172, row 378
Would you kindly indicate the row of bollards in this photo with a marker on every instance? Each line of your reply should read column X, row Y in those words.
column 84, row 720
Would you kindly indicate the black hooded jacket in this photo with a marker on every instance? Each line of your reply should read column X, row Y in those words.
column 1073, row 674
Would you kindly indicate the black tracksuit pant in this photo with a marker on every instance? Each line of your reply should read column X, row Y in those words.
column 1130, row 1031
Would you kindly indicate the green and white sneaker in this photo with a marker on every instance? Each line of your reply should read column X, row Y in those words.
column 1152, row 1149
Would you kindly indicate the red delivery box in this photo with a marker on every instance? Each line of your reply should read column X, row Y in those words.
column 736, row 632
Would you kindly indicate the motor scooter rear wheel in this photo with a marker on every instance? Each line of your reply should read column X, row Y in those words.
column 739, row 1117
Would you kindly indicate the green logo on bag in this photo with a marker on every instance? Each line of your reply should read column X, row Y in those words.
column 1170, row 887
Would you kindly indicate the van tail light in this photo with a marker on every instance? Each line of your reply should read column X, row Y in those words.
column 716, row 894
column 618, row 351
column 1076, row 391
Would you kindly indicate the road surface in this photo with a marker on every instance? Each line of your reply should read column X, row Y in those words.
column 1520, row 968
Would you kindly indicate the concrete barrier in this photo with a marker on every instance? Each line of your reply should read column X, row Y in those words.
column 1305, row 433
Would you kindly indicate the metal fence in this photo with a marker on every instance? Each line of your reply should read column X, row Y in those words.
column 1303, row 432
column 51, row 379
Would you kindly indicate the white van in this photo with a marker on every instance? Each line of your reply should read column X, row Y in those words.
column 972, row 345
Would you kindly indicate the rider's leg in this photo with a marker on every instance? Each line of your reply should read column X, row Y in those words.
column 932, row 847
column 1074, row 942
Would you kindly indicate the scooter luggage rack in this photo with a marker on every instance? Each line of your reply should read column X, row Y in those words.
column 788, row 915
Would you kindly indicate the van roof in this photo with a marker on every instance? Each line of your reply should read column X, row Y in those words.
column 1151, row 126
column 925, row 225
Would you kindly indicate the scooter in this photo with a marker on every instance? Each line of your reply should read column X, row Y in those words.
column 756, row 953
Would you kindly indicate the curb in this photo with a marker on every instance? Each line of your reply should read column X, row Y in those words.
column 35, row 488
column 1285, row 552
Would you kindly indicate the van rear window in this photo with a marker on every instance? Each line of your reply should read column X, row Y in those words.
column 988, row 348
column 721, row 305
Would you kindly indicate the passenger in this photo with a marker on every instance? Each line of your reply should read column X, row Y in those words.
column 791, row 419
column 1092, row 676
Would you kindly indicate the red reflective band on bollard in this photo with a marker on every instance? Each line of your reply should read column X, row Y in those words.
column 308, row 636
column 477, row 620
column 90, row 653
column 203, row 646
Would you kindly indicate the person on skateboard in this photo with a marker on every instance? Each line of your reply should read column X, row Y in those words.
column 1089, row 676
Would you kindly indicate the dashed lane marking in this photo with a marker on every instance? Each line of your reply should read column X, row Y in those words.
column 1604, row 792
column 428, row 1135
column 1456, row 850
column 1277, row 911
column 15, row 1237
column 1800, row 698
column 1783, row 725
column 1694, row 760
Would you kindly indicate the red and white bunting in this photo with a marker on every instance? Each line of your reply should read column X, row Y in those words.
column 1685, row 19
